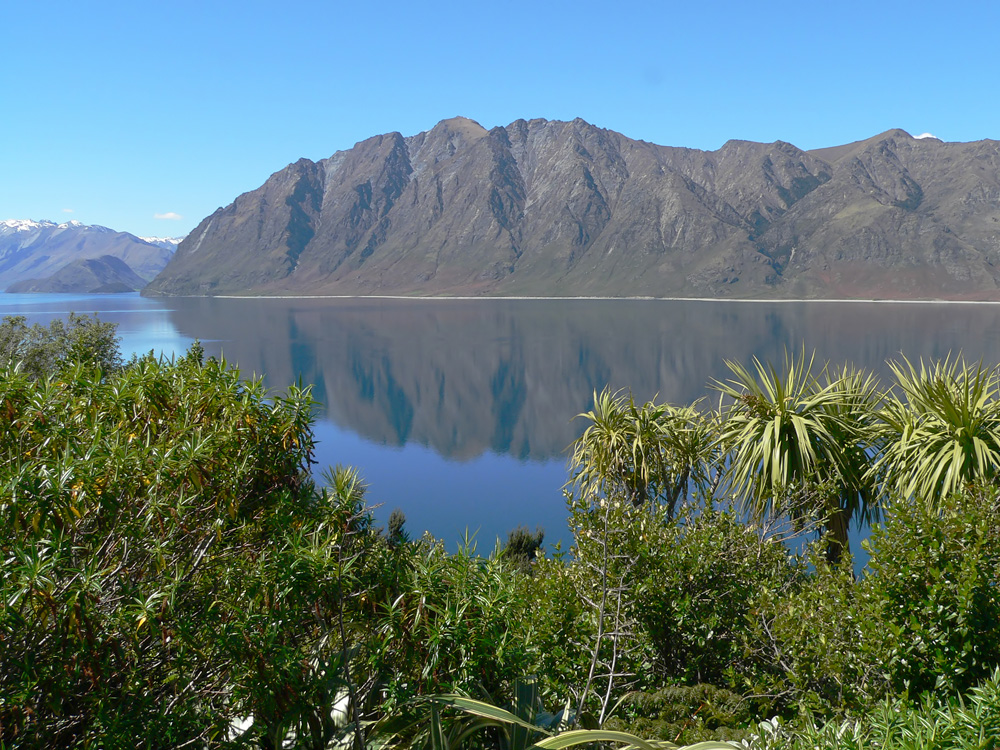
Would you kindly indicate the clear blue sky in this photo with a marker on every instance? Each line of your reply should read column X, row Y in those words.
column 118, row 112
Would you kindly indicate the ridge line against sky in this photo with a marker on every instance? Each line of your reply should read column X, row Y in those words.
column 146, row 117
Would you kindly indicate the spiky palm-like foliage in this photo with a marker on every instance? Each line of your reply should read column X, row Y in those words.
column 797, row 443
column 940, row 428
column 640, row 453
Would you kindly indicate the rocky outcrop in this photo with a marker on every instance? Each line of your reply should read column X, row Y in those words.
column 542, row 208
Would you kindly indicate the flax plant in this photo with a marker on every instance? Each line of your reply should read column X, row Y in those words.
column 525, row 727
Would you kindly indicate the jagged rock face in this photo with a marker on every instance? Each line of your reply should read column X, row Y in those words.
column 565, row 208
column 900, row 217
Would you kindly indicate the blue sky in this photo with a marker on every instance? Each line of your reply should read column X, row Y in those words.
column 117, row 113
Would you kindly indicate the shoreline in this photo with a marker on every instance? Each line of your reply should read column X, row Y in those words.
column 439, row 298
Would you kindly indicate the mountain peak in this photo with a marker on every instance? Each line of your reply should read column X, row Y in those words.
column 892, row 133
column 462, row 126
column 163, row 241
column 25, row 225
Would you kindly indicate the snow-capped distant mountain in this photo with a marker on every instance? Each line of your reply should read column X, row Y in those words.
column 35, row 250
column 167, row 243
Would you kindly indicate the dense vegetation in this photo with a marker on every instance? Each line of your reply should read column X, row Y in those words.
column 174, row 574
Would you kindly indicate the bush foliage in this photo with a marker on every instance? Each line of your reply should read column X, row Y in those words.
column 172, row 573
column 38, row 350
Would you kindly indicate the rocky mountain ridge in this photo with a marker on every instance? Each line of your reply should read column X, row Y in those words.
column 542, row 208
column 34, row 253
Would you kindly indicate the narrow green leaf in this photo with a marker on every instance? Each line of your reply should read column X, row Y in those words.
column 587, row 736
column 479, row 708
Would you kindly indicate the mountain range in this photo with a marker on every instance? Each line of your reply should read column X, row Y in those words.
column 542, row 208
column 41, row 256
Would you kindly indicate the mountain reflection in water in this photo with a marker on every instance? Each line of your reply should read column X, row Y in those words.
column 465, row 407
column 460, row 411
column 464, row 377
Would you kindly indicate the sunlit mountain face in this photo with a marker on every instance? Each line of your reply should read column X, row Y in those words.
column 543, row 208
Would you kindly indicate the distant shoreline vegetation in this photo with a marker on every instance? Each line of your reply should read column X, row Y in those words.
column 174, row 574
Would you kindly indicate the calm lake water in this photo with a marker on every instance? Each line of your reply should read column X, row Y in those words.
column 459, row 412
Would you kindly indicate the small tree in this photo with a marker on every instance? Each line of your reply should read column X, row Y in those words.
column 940, row 429
column 41, row 350
column 522, row 547
column 396, row 530
column 798, row 445
column 639, row 454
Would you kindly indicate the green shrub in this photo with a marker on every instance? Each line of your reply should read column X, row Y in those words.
column 684, row 714
column 700, row 583
column 935, row 574
column 823, row 636
column 166, row 563
column 928, row 724
column 559, row 628
column 924, row 619
column 453, row 624
column 38, row 350
column 395, row 532
column 523, row 547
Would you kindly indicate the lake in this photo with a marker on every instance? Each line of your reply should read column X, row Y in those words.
column 459, row 412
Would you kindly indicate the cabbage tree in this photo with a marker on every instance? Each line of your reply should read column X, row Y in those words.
column 939, row 428
column 642, row 453
column 798, row 443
